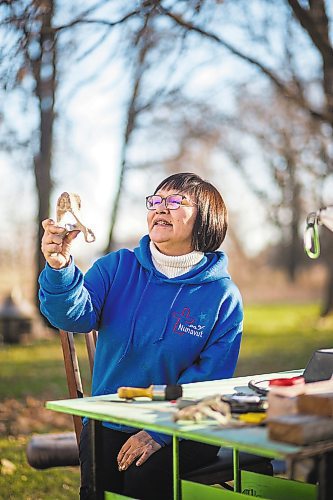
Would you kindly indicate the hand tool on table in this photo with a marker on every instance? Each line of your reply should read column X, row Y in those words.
column 252, row 418
column 155, row 392
column 246, row 403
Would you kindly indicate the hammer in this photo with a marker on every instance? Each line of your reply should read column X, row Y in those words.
column 155, row 392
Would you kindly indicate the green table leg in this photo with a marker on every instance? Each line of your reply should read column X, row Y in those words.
column 175, row 461
column 237, row 478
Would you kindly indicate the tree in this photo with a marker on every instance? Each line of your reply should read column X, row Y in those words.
column 144, row 41
column 267, row 36
column 30, row 52
column 35, row 48
column 272, row 38
column 315, row 21
column 294, row 155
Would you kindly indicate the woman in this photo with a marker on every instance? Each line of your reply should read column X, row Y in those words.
column 167, row 313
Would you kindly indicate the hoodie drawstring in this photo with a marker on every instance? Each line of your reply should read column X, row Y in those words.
column 134, row 318
column 161, row 337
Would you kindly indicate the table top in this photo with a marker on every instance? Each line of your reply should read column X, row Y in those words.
column 158, row 416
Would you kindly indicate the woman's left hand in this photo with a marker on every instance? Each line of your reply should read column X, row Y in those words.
column 139, row 445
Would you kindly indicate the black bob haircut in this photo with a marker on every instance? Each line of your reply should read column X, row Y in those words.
column 211, row 224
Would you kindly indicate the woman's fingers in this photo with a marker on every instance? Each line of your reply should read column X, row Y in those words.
column 50, row 226
column 55, row 245
column 53, row 239
column 147, row 452
column 129, row 458
column 46, row 223
column 139, row 445
column 53, row 248
column 71, row 235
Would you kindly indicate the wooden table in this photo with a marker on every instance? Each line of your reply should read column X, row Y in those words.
column 158, row 416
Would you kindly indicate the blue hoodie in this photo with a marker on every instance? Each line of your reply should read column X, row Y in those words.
column 151, row 329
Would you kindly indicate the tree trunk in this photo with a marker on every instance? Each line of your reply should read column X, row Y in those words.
column 326, row 243
column 132, row 115
column 295, row 206
column 44, row 70
column 327, row 305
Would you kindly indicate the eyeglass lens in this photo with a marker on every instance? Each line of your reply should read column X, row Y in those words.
column 172, row 202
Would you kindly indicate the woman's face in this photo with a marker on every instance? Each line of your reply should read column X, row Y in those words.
column 171, row 230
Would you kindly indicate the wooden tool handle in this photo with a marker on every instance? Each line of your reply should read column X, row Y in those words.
column 135, row 392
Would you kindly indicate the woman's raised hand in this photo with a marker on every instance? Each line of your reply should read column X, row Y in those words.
column 56, row 244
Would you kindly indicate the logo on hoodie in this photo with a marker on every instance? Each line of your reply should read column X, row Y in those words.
column 185, row 324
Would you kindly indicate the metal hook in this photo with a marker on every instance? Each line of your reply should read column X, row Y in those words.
column 311, row 236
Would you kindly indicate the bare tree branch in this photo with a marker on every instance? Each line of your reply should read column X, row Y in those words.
column 315, row 22
column 131, row 119
column 285, row 89
column 104, row 22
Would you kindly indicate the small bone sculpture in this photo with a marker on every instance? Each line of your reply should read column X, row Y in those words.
column 71, row 202
column 211, row 407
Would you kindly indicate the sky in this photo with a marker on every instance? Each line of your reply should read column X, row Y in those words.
column 88, row 143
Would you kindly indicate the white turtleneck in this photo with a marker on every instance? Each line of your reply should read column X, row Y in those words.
column 172, row 266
